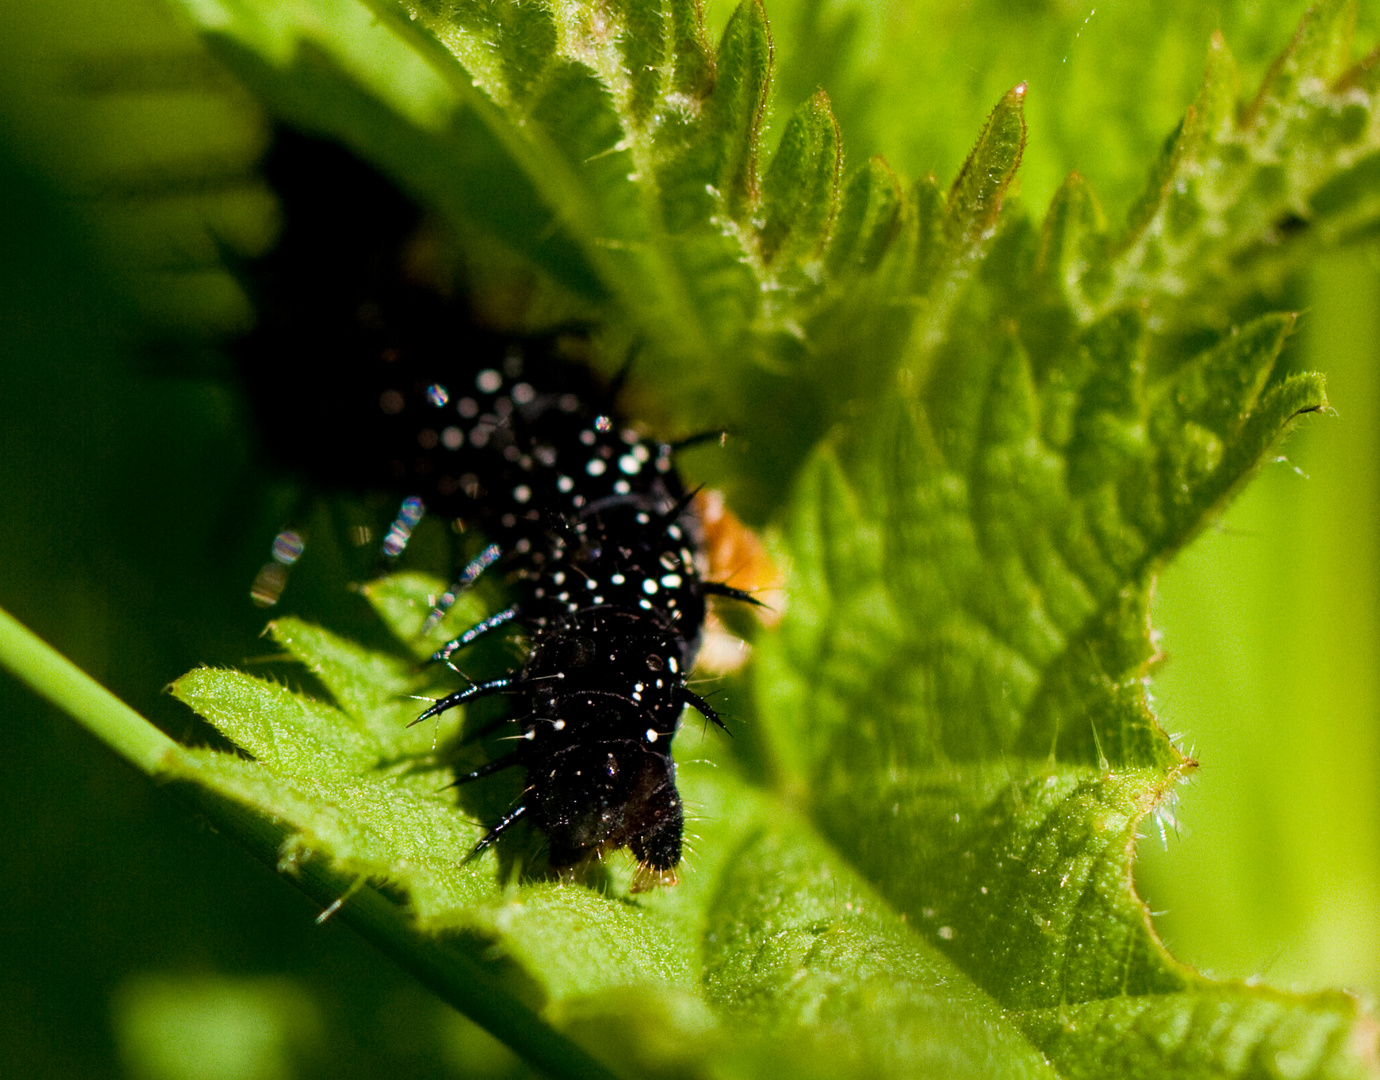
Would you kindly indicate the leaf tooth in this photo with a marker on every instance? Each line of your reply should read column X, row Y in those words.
column 1320, row 49
column 1213, row 108
column 527, row 41
column 1363, row 75
column 1214, row 420
column 1276, row 409
column 1203, row 121
column 869, row 215
column 1071, row 225
column 1221, row 88
column 738, row 103
column 642, row 45
column 976, row 196
column 926, row 219
column 1323, row 43
column 800, row 192
column 1220, row 388
column 1178, row 148
column 692, row 58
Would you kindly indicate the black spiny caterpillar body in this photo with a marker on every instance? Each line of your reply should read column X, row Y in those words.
column 369, row 380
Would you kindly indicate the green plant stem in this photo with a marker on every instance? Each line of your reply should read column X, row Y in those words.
column 455, row 973
column 52, row 676
column 453, row 970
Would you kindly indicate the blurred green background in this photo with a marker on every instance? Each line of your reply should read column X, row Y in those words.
column 133, row 518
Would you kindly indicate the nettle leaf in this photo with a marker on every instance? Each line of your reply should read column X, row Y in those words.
column 981, row 437
column 353, row 784
column 1240, row 196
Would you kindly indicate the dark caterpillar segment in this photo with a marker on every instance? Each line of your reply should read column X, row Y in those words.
column 608, row 672
column 366, row 378
column 614, row 605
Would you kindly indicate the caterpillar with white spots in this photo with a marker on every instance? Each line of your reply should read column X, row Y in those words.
column 369, row 379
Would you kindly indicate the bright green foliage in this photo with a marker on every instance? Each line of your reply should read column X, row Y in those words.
column 912, row 81
column 841, row 970
column 981, row 438
column 1216, row 223
column 345, row 777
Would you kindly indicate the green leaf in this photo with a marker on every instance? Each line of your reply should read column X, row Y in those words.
column 283, row 730
column 396, row 823
column 868, row 219
column 976, row 196
column 981, row 439
column 733, row 124
column 800, row 191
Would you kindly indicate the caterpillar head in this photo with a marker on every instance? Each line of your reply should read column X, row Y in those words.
column 601, row 796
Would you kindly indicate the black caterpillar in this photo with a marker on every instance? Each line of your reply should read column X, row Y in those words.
column 368, row 379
